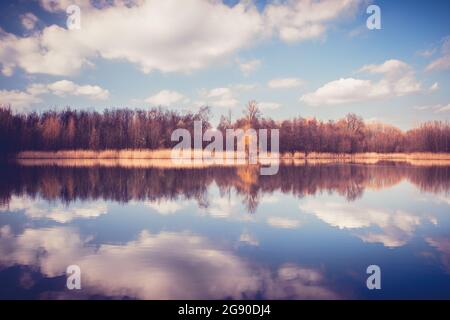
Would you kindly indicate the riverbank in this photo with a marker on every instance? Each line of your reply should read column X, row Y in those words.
column 167, row 154
column 158, row 158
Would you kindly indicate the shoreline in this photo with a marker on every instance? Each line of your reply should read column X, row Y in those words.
column 159, row 159
column 166, row 154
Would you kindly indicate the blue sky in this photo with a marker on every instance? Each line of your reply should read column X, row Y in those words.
column 296, row 58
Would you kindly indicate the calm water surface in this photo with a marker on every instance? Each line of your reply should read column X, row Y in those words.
column 308, row 232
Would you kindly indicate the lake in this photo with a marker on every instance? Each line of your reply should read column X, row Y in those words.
column 308, row 232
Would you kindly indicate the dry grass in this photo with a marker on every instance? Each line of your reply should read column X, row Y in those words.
column 125, row 163
column 122, row 154
column 159, row 158
column 369, row 155
column 91, row 154
column 167, row 154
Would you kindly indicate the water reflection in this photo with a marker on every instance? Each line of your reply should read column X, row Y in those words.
column 166, row 265
column 396, row 226
column 125, row 184
column 224, row 232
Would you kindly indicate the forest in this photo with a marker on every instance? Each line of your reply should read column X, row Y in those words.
column 152, row 128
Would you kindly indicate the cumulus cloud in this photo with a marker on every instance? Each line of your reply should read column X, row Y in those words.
column 298, row 282
column 52, row 51
column 398, row 79
column 269, row 105
column 166, row 265
column 223, row 97
column 36, row 208
column 397, row 227
column 61, row 5
column 24, row 99
column 284, row 223
column 285, row 83
column 167, row 98
column 221, row 207
column 300, row 20
column 168, row 206
column 29, row 21
column 169, row 36
column 339, row 91
column 434, row 87
column 66, row 87
column 248, row 239
column 18, row 99
column 248, row 67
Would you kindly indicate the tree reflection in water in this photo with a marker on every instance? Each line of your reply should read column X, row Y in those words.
column 122, row 184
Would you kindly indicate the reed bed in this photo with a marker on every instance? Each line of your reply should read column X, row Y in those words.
column 167, row 154
column 158, row 158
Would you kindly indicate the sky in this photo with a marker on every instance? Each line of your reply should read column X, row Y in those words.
column 305, row 58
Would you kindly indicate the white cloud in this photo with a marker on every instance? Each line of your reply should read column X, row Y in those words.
column 36, row 208
column 167, row 206
column 219, row 97
column 65, row 87
column 269, row 105
column 434, row 87
column 53, row 51
column 248, row 67
column 285, row 83
column 444, row 108
column 218, row 92
column 37, row 89
column 426, row 107
column 300, row 20
column 28, row 20
column 436, row 108
column 61, row 5
column 285, row 223
column 221, row 207
column 442, row 63
column 299, row 282
column 162, row 264
column 18, row 99
column 248, row 239
column 270, row 198
column 339, row 91
column 398, row 79
column 24, row 99
column 442, row 245
column 224, row 97
column 358, row 31
column 427, row 53
column 166, row 265
column 170, row 36
column 167, row 98
column 397, row 227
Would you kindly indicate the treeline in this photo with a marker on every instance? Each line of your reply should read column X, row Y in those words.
column 112, row 129
column 348, row 135
column 152, row 129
